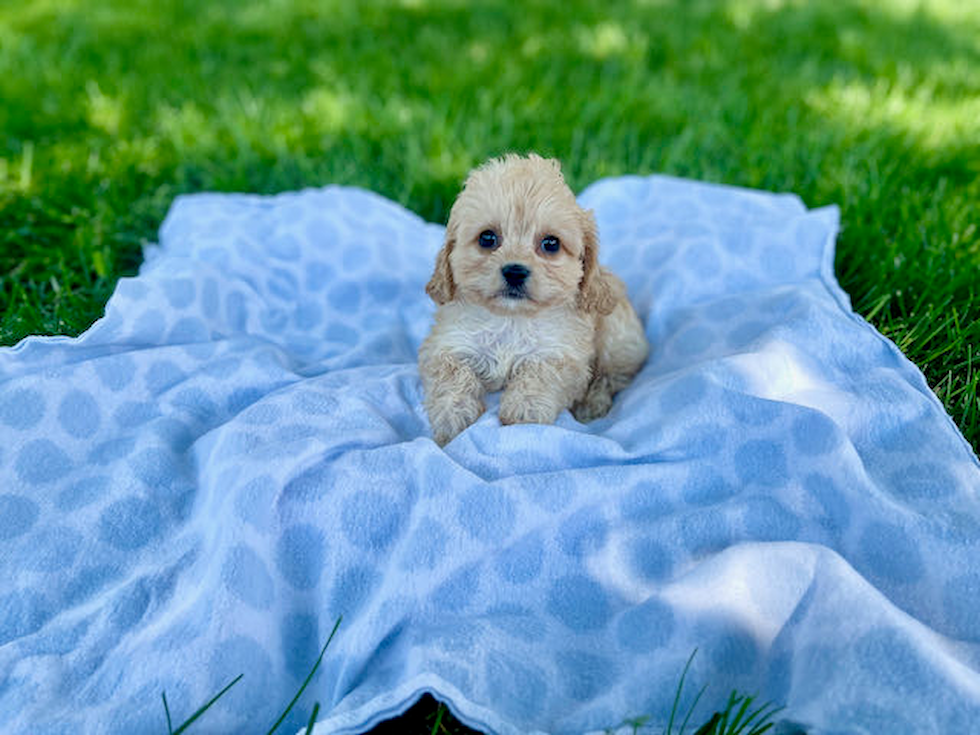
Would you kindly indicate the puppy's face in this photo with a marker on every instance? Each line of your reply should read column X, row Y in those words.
column 516, row 240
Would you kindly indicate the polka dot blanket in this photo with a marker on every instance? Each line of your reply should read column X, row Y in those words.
column 237, row 454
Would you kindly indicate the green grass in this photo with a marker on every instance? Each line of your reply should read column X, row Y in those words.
column 110, row 108
column 299, row 693
column 430, row 717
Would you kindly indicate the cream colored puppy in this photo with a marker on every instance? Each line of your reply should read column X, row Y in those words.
column 524, row 305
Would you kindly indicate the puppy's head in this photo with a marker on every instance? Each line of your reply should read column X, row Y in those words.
column 517, row 241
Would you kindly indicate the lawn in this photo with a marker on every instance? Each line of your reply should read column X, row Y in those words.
column 110, row 108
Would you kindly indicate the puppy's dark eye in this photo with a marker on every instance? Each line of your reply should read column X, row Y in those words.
column 488, row 239
column 550, row 244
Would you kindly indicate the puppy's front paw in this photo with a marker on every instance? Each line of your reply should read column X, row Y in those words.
column 449, row 418
column 516, row 408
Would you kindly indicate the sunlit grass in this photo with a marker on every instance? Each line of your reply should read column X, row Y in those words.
column 928, row 120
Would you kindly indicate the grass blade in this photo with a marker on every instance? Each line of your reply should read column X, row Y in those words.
column 690, row 710
column 312, row 721
column 709, row 728
column 764, row 723
column 441, row 711
column 677, row 695
column 737, row 726
column 760, row 719
column 309, row 677
column 732, row 701
column 170, row 727
column 207, row 706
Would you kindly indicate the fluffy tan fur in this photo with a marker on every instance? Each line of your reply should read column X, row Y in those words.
column 565, row 337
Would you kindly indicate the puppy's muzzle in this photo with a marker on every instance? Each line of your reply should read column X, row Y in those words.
column 516, row 276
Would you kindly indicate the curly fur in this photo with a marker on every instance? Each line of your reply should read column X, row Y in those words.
column 566, row 337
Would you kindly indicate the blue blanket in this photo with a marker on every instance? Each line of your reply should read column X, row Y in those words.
column 237, row 454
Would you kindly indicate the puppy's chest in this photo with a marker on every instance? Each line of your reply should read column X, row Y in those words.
column 494, row 345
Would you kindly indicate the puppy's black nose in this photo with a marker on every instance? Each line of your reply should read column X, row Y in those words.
column 515, row 274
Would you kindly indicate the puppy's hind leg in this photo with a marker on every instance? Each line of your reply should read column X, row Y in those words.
column 598, row 397
column 621, row 348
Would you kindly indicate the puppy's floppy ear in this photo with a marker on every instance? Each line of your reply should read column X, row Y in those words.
column 594, row 294
column 441, row 287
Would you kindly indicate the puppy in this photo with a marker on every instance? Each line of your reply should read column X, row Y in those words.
column 524, row 305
